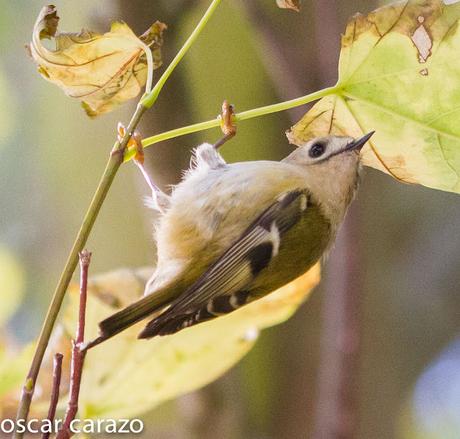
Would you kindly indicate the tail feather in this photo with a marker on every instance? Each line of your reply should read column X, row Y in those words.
column 129, row 315
column 156, row 328
column 133, row 313
column 170, row 323
column 167, row 326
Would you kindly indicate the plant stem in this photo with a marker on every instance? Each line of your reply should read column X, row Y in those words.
column 57, row 372
column 78, row 355
column 85, row 259
column 110, row 171
column 248, row 114
column 149, row 99
column 112, row 166
column 149, row 58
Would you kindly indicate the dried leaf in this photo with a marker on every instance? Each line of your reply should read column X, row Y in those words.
column 102, row 71
column 399, row 74
column 124, row 376
column 289, row 4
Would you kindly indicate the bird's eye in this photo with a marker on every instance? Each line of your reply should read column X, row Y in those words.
column 316, row 150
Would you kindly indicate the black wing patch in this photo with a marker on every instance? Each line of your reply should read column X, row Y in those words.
column 259, row 257
column 222, row 288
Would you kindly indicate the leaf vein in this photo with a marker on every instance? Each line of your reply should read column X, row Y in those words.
column 401, row 116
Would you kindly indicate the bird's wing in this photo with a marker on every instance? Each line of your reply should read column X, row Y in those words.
column 238, row 266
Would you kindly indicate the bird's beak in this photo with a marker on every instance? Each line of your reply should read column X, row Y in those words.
column 359, row 143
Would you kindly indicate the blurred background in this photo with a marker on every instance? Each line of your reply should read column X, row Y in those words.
column 394, row 271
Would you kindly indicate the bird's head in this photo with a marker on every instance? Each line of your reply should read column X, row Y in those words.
column 331, row 165
column 330, row 150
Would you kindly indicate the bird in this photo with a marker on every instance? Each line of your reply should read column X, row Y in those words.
column 231, row 233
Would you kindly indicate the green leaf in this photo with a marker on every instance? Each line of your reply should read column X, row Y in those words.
column 399, row 74
column 102, row 71
column 125, row 376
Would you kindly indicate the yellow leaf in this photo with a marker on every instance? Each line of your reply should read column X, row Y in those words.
column 102, row 71
column 125, row 376
column 399, row 74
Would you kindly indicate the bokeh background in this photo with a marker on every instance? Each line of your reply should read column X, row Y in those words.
column 399, row 251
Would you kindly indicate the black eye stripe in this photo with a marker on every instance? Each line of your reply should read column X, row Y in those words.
column 316, row 150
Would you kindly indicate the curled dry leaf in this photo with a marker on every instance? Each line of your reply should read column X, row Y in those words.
column 102, row 71
column 125, row 376
column 289, row 4
column 399, row 74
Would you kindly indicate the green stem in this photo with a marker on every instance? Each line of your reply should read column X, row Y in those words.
column 149, row 99
column 149, row 58
column 113, row 164
column 249, row 114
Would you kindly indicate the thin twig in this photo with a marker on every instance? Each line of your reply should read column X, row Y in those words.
column 57, row 371
column 113, row 164
column 85, row 259
column 78, row 356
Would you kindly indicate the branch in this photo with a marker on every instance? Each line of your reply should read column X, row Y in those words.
column 244, row 115
column 113, row 164
column 57, row 371
column 78, row 355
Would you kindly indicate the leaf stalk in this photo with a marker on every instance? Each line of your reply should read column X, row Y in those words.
column 149, row 98
column 244, row 115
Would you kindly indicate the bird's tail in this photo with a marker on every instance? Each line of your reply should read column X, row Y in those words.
column 132, row 314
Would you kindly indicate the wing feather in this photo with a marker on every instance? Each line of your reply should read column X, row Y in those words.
column 239, row 265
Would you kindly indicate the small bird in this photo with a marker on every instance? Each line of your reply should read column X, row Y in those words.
column 232, row 233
